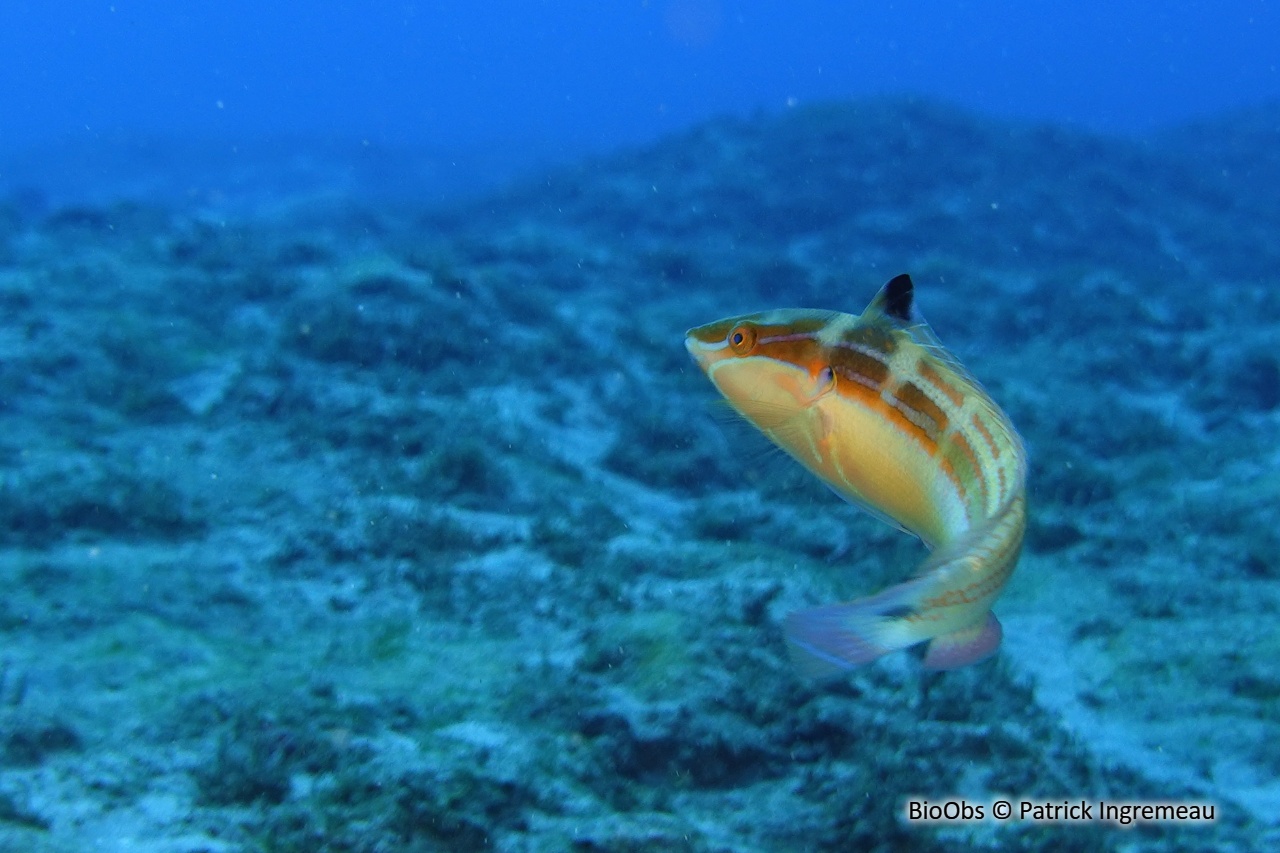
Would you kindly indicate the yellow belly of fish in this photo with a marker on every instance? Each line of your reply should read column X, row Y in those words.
column 870, row 462
column 847, row 441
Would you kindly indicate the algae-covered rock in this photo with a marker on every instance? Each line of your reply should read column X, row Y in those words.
column 339, row 527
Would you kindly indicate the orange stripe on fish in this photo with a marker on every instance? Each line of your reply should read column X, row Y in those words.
column 875, row 407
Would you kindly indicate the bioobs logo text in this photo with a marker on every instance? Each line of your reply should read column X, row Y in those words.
column 923, row 811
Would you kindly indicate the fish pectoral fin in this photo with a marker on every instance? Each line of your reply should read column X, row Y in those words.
column 794, row 430
column 965, row 646
column 769, row 417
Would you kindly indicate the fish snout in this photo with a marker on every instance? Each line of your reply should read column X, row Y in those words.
column 699, row 350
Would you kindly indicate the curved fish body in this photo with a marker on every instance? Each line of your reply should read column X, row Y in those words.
column 879, row 411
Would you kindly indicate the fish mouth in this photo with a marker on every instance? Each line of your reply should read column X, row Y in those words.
column 703, row 353
column 696, row 349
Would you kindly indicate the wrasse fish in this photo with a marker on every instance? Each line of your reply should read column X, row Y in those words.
column 884, row 415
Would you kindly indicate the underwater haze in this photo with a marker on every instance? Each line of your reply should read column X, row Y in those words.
column 482, row 91
column 358, row 492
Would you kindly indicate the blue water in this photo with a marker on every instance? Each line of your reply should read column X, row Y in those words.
column 556, row 78
column 357, row 493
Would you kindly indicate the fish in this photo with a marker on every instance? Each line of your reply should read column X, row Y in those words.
column 876, row 408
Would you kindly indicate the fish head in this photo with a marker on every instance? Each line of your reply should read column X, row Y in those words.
column 769, row 365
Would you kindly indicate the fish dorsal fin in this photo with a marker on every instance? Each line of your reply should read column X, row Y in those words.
column 895, row 300
column 896, row 303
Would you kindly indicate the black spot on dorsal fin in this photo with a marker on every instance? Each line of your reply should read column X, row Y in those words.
column 898, row 296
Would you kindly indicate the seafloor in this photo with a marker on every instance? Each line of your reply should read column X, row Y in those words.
column 336, row 526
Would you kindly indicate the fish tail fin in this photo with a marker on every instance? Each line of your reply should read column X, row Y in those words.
column 965, row 646
column 827, row 641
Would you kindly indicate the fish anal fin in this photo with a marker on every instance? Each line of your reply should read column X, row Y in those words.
column 965, row 646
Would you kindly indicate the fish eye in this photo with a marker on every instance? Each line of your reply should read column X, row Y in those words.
column 826, row 377
column 742, row 339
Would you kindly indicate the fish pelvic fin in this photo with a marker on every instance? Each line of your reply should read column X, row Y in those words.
column 965, row 646
column 830, row 640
